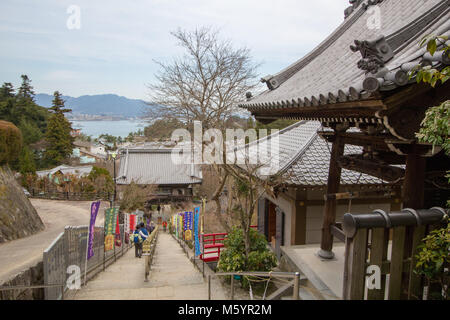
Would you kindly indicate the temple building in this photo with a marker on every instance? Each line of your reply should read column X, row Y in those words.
column 356, row 84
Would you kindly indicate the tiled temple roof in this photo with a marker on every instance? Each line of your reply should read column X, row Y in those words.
column 334, row 73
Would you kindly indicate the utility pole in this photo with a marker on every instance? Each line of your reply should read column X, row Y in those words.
column 113, row 156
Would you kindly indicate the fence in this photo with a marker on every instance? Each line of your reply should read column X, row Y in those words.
column 72, row 196
column 69, row 249
column 367, row 244
column 293, row 285
column 148, row 250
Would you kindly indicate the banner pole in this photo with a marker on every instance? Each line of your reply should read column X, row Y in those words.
column 87, row 246
column 86, row 255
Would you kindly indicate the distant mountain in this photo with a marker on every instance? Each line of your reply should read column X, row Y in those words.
column 100, row 104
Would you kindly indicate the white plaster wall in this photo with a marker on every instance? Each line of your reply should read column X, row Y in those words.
column 286, row 206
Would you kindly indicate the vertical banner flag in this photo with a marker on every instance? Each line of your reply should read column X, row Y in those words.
column 132, row 222
column 181, row 224
column 188, row 232
column 196, row 231
column 110, row 222
column 126, row 227
column 118, row 239
column 148, row 223
column 94, row 210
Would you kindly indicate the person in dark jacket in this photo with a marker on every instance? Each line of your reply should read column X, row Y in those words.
column 137, row 239
column 143, row 233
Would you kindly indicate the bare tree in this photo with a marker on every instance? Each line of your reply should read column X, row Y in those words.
column 135, row 196
column 206, row 83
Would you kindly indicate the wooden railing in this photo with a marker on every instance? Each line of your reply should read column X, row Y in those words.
column 367, row 243
column 148, row 250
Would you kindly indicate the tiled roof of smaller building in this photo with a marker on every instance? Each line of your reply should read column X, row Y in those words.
column 80, row 171
column 303, row 157
column 155, row 166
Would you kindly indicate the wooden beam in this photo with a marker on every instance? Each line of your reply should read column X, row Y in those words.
column 337, row 232
column 377, row 142
column 372, row 168
column 334, row 179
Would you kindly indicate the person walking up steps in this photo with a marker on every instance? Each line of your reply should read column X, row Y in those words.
column 137, row 239
column 143, row 233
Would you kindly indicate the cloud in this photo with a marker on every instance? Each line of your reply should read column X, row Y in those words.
column 118, row 40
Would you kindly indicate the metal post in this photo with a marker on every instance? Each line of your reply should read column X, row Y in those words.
column 209, row 287
column 295, row 295
column 114, row 165
column 203, row 254
column 123, row 236
column 232, row 287
column 104, row 252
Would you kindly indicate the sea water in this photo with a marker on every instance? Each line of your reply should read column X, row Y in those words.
column 116, row 128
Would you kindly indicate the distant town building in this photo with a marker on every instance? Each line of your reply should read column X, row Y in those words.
column 63, row 170
column 75, row 132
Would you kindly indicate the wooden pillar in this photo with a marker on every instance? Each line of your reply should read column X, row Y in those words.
column 279, row 231
column 414, row 183
column 334, row 179
column 414, row 198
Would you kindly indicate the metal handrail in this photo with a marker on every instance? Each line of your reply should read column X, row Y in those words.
column 6, row 288
column 295, row 275
column 259, row 274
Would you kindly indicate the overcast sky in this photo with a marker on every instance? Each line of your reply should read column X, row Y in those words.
column 115, row 47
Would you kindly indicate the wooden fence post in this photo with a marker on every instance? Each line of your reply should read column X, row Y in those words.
column 355, row 266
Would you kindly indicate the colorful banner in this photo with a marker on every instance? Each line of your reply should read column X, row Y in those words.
column 118, row 239
column 110, row 222
column 197, row 246
column 126, row 227
column 188, row 226
column 132, row 222
column 94, row 210
column 185, row 221
column 180, row 225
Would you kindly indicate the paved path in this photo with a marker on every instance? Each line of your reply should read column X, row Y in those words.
column 172, row 277
column 18, row 255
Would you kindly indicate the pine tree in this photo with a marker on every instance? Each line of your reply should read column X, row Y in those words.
column 6, row 91
column 26, row 90
column 26, row 161
column 58, row 137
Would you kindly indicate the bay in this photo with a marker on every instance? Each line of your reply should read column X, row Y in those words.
column 116, row 128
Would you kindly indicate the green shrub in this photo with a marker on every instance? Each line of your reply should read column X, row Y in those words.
column 433, row 261
column 233, row 258
column 10, row 142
